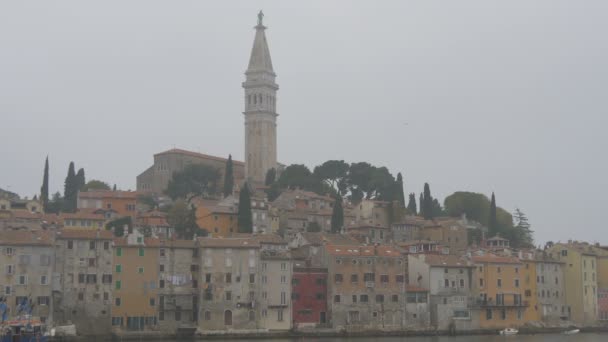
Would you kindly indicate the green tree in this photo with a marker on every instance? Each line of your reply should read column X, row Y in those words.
column 299, row 176
column 182, row 217
column 474, row 205
column 70, row 193
column 44, row 190
column 437, row 209
column 114, row 188
column 334, row 174
column 411, row 206
column 95, row 184
column 337, row 216
column 80, row 179
column 55, row 204
column 522, row 231
column 245, row 219
column 194, row 180
column 427, row 202
column 271, row 176
column 399, row 190
column 421, row 202
column 118, row 225
column 313, row 227
column 492, row 217
column 228, row 177
column 147, row 200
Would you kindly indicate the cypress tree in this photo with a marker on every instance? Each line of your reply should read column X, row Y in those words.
column 228, row 177
column 428, row 202
column 80, row 180
column 492, row 222
column 271, row 176
column 400, row 194
column 69, row 190
column 245, row 219
column 44, row 190
column 421, row 202
column 411, row 206
column 114, row 188
column 337, row 216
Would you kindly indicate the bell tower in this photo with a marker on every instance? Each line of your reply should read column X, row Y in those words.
column 260, row 109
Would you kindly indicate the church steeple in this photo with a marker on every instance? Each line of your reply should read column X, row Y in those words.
column 260, row 109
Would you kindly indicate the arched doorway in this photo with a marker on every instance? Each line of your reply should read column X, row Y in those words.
column 227, row 317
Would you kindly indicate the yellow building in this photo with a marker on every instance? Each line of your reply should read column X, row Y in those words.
column 529, row 283
column 499, row 290
column 135, row 275
column 580, row 277
column 218, row 221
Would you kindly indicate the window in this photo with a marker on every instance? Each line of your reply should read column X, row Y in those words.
column 45, row 260
column 162, row 252
column 118, row 268
column 321, row 281
column 354, row 278
column 564, row 252
column 337, row 299
column 207, row 315
column 7, row 290
column 117, row 301
column 280, row 315
column 161, row 268
column 369, row 277
column 22, row 280
column 140, row 270
column 446, row 283
column 488, row 314
column 106, row 245
column 516, row 282
column 81, row 296
column 228, row 278
column 283, row 298
column 141, row 252
column 228, row 295
column 384, row 278
column 118, row 285
column 283, row 279
column 516, row 269
column 193, row 268
column 208, row 278
column 461, row 282
column 379, row 298
column 498, row 269
column 70, row 244
column 503, row 314
column 118, row 251
column 394, row 298
column 399, row 278
column 106, row 279
column 353, row 316
column 24, row 260
column 10, row 269
column 43, row 300
column 91, row 278
column 161, row 283
column 43, row 280
column 445, row 270
column 152, row 301
column 338, row 278
column 499, row 282
column 81, row 278
column 480, row 282
column 354, row 298
column 91, row 244
column 91, row 262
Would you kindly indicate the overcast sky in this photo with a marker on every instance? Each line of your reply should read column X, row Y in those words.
column 481, row 96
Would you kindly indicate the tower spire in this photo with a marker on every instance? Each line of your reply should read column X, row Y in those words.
column 260, row 109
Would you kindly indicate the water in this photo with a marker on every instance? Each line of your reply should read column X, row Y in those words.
column 582, row 337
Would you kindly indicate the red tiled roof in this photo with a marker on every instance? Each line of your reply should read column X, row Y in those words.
column 495, row 259
column 206, row 242
column 82, row 215
column 96, row 194
column 444, row 260
column 25, row 238
column 84, row 234
column 359, row 250
column 198, row 155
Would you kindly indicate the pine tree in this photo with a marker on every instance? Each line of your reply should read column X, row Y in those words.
column 427, row 202
column 337, row 216
column 228, row 177
column 522, row 229
column 70, row 191
column 411, row 206
column 400, row 194
column 80, row 180
column 271, row 176
column 44, row 190
column 492, row 221
column 114, row 188
column 421, row 202
column 245, row 219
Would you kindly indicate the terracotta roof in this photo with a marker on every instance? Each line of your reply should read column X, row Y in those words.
column 25, row 238
column 153, row 213
column 494, row 259
column 198, row 155
column 84, row 234
column 273, row 254
column 206, row 242
column 416, row 242
column 82, row 215
column 440, row 260
column 268, row 239
column 360, row 250
column 177, row 244
column 364, row 226
column 318, row 239
column 95, row 194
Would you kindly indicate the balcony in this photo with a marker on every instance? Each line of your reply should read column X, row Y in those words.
column 478, row 302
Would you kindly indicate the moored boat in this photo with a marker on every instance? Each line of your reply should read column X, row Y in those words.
column 23, row 329
column 572, row 332
column 509, row 332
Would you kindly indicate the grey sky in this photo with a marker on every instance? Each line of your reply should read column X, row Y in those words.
column 505, row 96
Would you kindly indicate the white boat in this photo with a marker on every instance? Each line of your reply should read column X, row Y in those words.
column 509, row 331
column 572, row 332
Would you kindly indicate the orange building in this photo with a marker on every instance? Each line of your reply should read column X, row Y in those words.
column 122, row 202
column 218, row 221
column 135, row 275
column 500, row 291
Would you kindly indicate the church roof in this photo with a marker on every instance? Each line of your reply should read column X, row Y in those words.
column 197, row 155
column 260, row 54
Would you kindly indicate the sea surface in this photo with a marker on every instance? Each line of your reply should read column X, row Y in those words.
column 582, row 337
